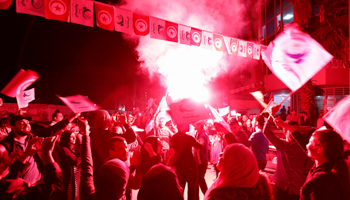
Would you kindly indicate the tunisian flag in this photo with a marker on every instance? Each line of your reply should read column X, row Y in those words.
column 218, row 42
column 185, row 34
column 5, row 4
column 57, row 10
column 31, row 7
column 25, row 97
column 196, row 36
column 171, row 31
column 157, row 28
column 234, row 46
column 78, row 103
column 141, row 24
column 22, row 80
column 104, row 16
column 339, row 116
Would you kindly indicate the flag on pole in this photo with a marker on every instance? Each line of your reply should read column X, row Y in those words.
column 25, row 97
column 242, row 48
column 207, row 40
column 258, row 95
column 218, row 42
column 268, row 108
column 219, row 119
column 196, row 36
column 21, row 81
column 157, row 28
column 185, row 34
column 31, row 7
column 295, row 57
column 5, row 4
column 104, row 14
column 57, row 10
column 141, row 24
column 256, row 52
column 338, row 117
column 162, row 110
column 234, row 46
column 224, row 111
column 250, row 47
column 78, row 103
column 171, row 30
column 82, row 12
column 123, row 20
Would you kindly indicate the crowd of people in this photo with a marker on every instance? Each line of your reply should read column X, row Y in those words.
column 98, row 155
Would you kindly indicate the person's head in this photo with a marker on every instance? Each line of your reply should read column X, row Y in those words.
column 57, row 116
column 260, row 121
column 20, row 125
column 118, row 148
column 244, row 118
column 162, row 122
column 200, row 126
column 289, row 136
column 304, row 114
column 293, row 112
column 326, row 144
column 320, row 114
column 156, row 144
column 67, row 138
column 234, row 126
column 100, row 119
column 248, row 122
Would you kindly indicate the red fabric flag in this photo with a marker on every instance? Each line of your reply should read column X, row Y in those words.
column 5, row 4
column 78, row 103
column 82, row 12
column 262, row 50
column 57, row 10
column 196, row 36
column 250, row 47
column 141, row 24
column 242, row 48
column 171, row 30
column 234, row 46
column 218, row 42
column 104, row 16
column 31, row 7
column 20, row 82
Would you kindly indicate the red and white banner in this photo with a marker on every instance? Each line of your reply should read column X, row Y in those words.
column 218, row 42
column 25, row 97
column 35, row 7
column 104, row 14
column 207, row 40
column 82, row 12
column 171, row 31
column 256, row 52
column 78, row 103
column 5, row 4
column 123, row 21
column 234, row 46
column 258, row 95
column 242, row 48
column 295, row 57
column 338, row 117
column 216, row 116
column 141, row 24
column 157, row 30
column 196, row 37
column 185, row 34
column 57, row 10
column 224, row 111
column 21, row 81
column 250, row 49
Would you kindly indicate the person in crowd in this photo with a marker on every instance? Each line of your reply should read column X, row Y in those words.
column 163, row 132
column 283, row 113
column 17, row 141
column 201, row 156
column 293, row 117
column 248, row 127
column 216, row 149
column 259, row 144
column 185, row 163
column 160, row 183
column 320, row 120
column 305, row 120
column 151, row 153
column 293, row 164
column 50, row 187
column 329, row 177
column 57, row 116
column 239, row 177
column 5, row 127
column 235, row 136
column 69, row 156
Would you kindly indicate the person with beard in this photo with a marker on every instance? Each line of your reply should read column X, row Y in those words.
column 15, row 144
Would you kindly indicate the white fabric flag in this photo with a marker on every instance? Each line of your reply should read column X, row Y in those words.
column 157, row 28
column 228, row 44
column 242, row 48
column 24, row 97
column 207, row 40
column 339, row 117
column 256, row 52
column 258, row 95
column 295, row 57
column 185, row 34
column 162, row 110
column 224, row 111
column 79, row 103
column 219, row 119
column 123, row 20
column 82, row 12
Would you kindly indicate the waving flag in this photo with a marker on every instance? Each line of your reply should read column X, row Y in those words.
column 218, row 118
column 234, row 46
column 22, row 80
column 256, row 52
column 57, row 10
column 338, row 117
column 162, row 109
column 224, row 111
column 207, row 40
column 123, row 21
column 250, row 47
column 171, row 31
column 196, row 36
column 258, row 95
column 185, row 34
column 227, row 41
column 295, row 57
column 104, row 16
column 78, row 103
column 25, row 97
column 35, row 7
column 157, row 28
column 141, row 24
column 242, row 48
column 82, row 12
column 218, row 42
column 269, row 107
column 5, row 4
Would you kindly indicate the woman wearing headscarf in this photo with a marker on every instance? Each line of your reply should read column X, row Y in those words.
column 160, row 183
column 239, row 177
column 329, row 177
column 151, row 153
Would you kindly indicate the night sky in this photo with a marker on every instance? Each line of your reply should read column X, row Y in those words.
column 72, row 59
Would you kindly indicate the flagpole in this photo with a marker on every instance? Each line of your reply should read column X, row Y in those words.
column 290, row 94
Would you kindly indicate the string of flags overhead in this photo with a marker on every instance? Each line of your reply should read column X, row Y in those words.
column 114, row 18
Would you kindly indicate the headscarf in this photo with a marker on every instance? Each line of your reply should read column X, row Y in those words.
column 160, row 183
column 239, row 169
column 146, row 162
column 111, row 180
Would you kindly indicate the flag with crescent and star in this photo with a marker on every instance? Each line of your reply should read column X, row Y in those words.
column 218, row 42
column 171, row 31
column 21, row 81
column 5, row 4
column 104, row 15
column 141, row 24
column 234, row 46
column 196, row 36
column 123, row 21
column 157, row 29
column 82, row 12
column 79, row 103
column 207, row 40
column 25, row 97
column 250, row 49
column 31, row 7
column 185, row 34
column 57, row 10
column 242, row 48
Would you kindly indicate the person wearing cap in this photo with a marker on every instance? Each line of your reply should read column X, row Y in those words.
column 15, row 144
